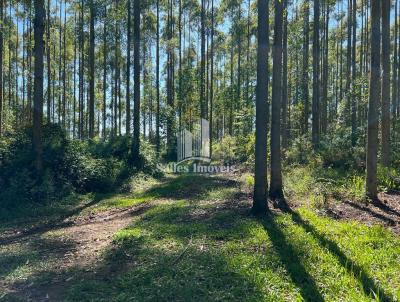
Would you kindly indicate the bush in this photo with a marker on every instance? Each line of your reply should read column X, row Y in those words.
column 388, row 179
column 230, row 150
column 69, row 165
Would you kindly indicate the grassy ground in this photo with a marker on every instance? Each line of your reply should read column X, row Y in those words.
column 191, row 238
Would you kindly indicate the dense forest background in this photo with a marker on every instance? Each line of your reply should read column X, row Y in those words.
column 116, row 69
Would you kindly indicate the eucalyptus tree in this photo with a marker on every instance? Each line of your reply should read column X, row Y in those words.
column 260, row 205
column 38, row 84
column 374, row 96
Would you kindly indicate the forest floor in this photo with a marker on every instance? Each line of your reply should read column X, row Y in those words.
column 187, row 238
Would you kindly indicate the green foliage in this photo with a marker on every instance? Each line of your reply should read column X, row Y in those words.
column 69, row 165
column 355, row 188
column 337, row 151
column 388, row 178
column 232, row 149
column 300, row 151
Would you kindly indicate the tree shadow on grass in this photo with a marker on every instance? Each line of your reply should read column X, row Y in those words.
column 289, row 257
column 369, row 286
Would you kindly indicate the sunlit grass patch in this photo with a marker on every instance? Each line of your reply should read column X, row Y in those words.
column 230, row 256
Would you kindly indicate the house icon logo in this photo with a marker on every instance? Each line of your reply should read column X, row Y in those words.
column 195, row 144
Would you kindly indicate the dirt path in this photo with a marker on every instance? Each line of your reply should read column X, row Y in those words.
column 385, row 212
column 78, row 242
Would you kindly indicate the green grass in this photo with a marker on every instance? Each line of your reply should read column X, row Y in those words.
column 201, row 244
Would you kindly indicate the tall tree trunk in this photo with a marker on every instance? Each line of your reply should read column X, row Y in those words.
column 81, row 75
column 38, row 84
column 276, row 188
column 74, row 79
column 305, row 77
column 316, row 78
column 105, row 75
column 202, row 63
column 136, row 79
column 324, row 112
column 158, row 80
column 353, row 76
column 386, row 4
column 374, row 95
column 91, row 70
column 48, row 52
column 128, row 72
column 348, row 63
column 1, row 66
column 64, row 56
column 212, row 77
column 285, row 77
column 260, row 205
column 395, row 67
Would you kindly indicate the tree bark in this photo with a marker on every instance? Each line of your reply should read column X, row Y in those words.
column 1, row 65
column 285, row 77
column 48, row 62
column 136, row 79
column 128, row 72
column 38, row 84
column 158, row 80
column 386, row 4
column 305, row 77
column 91, row 70
column 374, row 95
column 316, row 78
column 260, row 205
column 276, row 187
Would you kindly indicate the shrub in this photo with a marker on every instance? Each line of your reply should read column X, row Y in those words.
column 388, row 178
column 69, row 165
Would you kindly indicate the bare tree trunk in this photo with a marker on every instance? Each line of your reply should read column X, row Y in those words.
column 260, row 205
column 202, row 63
column 105, row 74
column 276, row 187
column 38, row 84
column 305, row 77
column 386, row 4
column 285, row 77
column 353, row 76
column 128, row 71
column 374, row 95
column 91, row 70
column 1, row 65
column 212, row 77
column 136, row 78
column 325, row 75
column 316, row 78
column 81, row 75
column 395, row 67
column 48, row 62
column 158, row 79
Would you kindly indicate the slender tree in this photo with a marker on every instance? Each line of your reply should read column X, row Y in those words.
column 305, row 77
column 136, row 79
column 285, row 77
column 260, row 205
column 316, row 78
column 1, row 66
column 386, row 4
column 374, row 96
column 276, row 187
column 48, row 55
column 128, row 71
column 158, row 79
column 91, row 70
column 38, row 84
